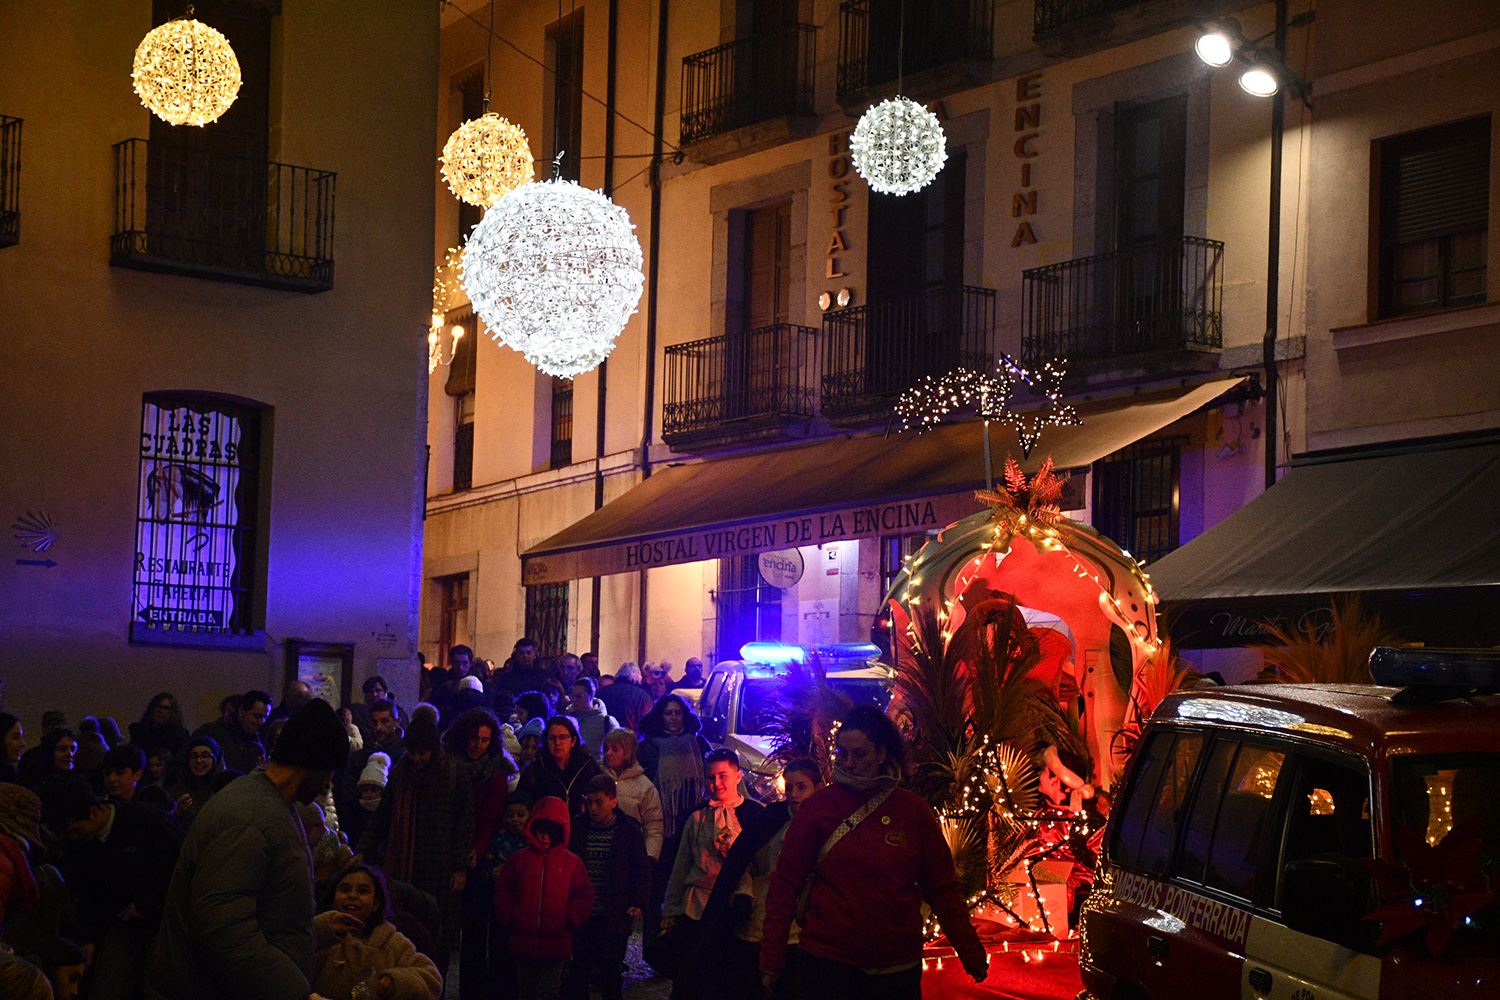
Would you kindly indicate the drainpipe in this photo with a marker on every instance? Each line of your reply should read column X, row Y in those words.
column 1273, row 261
column 599, row 411
column 653, row 256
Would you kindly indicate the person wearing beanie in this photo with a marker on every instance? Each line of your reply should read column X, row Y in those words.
column 238, row 919
column 529, row 739
column 423, row 829
column 369, row 787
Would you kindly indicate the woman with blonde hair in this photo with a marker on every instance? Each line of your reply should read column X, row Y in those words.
column 639, row 798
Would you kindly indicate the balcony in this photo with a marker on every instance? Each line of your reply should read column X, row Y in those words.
column 1055, row 15
column 740, row 386
column 1157, row 306
column 10, row 181
column 875, row 352
column 229, row 218
column 1077, row 27
column 940, row 34
column 746, row 82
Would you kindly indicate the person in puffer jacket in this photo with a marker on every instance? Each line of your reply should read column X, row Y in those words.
column 358, row 945
column 542, row 896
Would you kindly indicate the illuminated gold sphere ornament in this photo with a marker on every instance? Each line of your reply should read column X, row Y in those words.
column 554, row 270
column 486, row 159
column 185, row 72
column 898, row 146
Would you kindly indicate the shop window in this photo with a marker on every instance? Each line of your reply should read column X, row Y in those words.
column 1434, row 218
column 1136, row 497
column 894, row 551
column 565, row 58
column 748, row 609
column 453, row 620
column 199, row 563
column 562, row 422
column 471, row 101
column 547, row 617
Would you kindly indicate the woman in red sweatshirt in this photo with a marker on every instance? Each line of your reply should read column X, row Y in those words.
column 543, row 895
column 862, row 933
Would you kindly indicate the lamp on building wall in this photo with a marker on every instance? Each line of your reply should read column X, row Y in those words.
column 435, row 344
column 486, row 159
column 554, row 270
column 185, row 72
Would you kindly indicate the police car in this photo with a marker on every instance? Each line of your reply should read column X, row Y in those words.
column 1267, row 838
column 739, row 695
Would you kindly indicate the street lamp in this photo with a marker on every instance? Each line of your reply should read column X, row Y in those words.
column 1218, row 45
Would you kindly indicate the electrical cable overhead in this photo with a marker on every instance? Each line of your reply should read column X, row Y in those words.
column 493, row 34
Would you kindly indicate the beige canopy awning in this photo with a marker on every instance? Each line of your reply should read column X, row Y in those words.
column 830, row 491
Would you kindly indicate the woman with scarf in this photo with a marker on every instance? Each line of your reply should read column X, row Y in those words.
column 672, row 752
column 203, row 767
column 562, row 767
column 862, row 845
column 707, row 836
column 425, row 827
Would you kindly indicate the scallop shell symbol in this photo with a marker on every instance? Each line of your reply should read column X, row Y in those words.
column 35, row 531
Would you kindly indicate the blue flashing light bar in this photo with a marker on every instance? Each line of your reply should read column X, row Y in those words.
column 1420, row 666
column 849, row 650
column 772, row 653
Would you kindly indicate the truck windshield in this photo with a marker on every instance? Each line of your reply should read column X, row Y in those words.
column 1447, row 795
column 762, row 698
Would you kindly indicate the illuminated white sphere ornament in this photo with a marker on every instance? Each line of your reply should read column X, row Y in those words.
column 185, row 72
column 554, row 270
column 898, row 146
column 486, row 159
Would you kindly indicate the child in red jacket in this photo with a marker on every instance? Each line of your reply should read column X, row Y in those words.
column 543, row 895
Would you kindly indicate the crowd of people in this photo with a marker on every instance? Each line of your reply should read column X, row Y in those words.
column 515, row 826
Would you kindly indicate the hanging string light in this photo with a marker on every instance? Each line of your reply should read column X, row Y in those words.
column 554, row 270
column 898, row 145
column 487, row 158
column 185, row 72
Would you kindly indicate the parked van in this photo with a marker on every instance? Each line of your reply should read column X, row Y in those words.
column 1240, row 852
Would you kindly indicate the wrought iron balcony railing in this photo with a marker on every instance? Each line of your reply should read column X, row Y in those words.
column 10, row 180
column 937, row 32
column 1054, row 15
column 748, row 80
column 191, row 211
column 1147, row 299
column 739, row 385
column 875, row 352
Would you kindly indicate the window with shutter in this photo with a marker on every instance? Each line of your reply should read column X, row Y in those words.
column 1434, row 218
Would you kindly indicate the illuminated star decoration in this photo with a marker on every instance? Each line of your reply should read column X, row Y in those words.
column 1048, row 382
column 927, row 403
column 1026, row 506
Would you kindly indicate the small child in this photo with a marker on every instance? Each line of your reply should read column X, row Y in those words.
column 510, row 838
column 543, row 895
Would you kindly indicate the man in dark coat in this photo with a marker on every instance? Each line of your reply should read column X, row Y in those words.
column 387, row 737
column 239, row 740
column 120, row 858
column 625, row 699
column 522, row 672
column 238, row 921
column 613, row 850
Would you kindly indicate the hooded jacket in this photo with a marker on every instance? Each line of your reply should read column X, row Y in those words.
column 344, row 962
column 543, row 895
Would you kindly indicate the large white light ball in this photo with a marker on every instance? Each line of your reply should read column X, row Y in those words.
column 898, row 146
column 486, row 159
column 554, row 270
column 185, row 73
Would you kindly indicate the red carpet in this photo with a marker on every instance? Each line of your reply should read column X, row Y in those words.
column 1052, row 977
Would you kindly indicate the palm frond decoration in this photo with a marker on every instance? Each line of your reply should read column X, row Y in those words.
column 803, row 717
column 1162, row 673
column 1335, row 650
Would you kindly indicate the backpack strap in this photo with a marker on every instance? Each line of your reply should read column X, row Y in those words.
column 855, row 818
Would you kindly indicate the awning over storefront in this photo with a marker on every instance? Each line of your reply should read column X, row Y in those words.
column 1420, row 523
column 830, row 491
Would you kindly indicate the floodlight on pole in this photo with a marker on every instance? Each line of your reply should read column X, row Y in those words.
column 1218, row 43
column 1260, row 78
